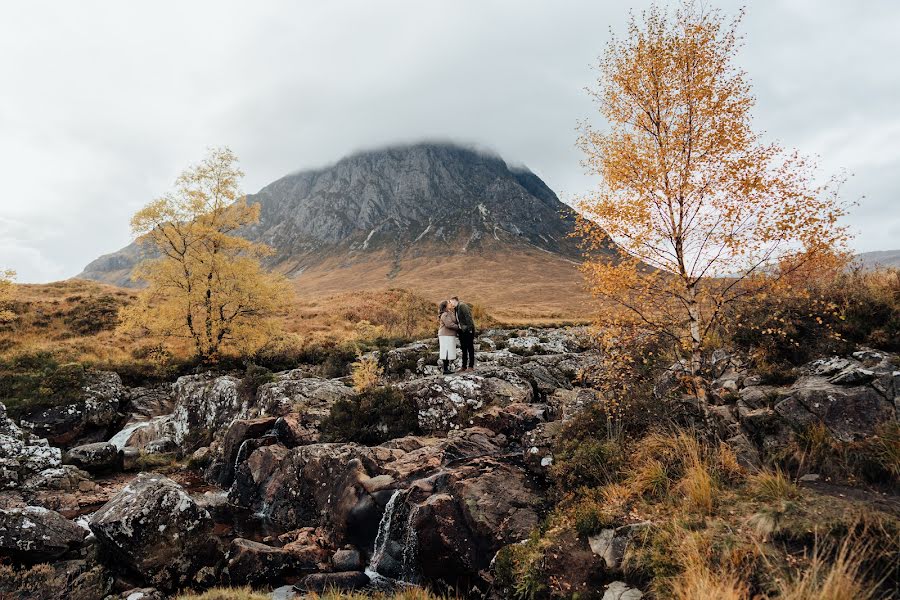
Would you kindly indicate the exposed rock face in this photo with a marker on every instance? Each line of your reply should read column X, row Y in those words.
column 238, row 444
column 34, row 534
column 447, row 403
column 22, row 454
column 153, row 528
column 99, row 457
column 205, row 405
column 410, row 201
column 93, row 418
column 295, row 391
column 251, row 562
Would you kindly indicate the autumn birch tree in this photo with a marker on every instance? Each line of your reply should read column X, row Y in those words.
column 207, row 286
column 701, row 207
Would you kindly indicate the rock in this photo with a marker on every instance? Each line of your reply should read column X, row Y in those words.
column 746, row 453
column 144, row 432
column 292, row 431
column 92, row 418
column 294, row 391
column 154, row 529
column 149, row 402
column 67, row 478
column 405, row 359
column 22, row 454
column 418, row 457
column 449, row 402
column 852, row 376
column 544, row 379
column 318, row 484
column 204, row 404
column 826, row 367
column 34, row 534
column 810, row 478
column 162, row 445
column 234, row 448
column 343, row 581
column 99, row 457
column 512, row 420
column 565, row 404
column 611, row 544
column 618, row 590
column 849, row 413
column 347, row 559
column 251, row 562
column 537, row 447
column 141, row 594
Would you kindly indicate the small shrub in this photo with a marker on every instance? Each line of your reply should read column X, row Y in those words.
column 94, row 314
column 366, row 373
column 518, row 569
column 371, row 418
column 254, row 377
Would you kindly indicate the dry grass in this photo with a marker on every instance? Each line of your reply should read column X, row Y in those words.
column 411, row 593
column 226, row 593
column 841, row 577
column 773, row 486
column 700, row 580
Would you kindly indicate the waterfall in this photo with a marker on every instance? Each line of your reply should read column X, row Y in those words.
column 384, row 533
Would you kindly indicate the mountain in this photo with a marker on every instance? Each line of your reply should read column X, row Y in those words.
column 879, row 258
column 436, row 217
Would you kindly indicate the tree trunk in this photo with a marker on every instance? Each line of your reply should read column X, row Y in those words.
column 694, row 322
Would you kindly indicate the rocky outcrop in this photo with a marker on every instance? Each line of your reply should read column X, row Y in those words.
column 99, row 457
column 154, row 530
column 34, row 534
column 94, row 417
column 446, row 403
column 22, row 454
column 204, row 405
column 294, row 391
column 250, row 562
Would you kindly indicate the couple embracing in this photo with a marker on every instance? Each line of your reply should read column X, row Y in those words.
column 456, row 322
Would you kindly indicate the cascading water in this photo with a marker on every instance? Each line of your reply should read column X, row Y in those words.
column 383, row 536
column 393, row 518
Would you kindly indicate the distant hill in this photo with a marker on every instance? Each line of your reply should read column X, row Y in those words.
column 435, row 217
column 880, row 258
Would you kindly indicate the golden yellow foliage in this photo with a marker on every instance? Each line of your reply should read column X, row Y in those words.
column 7, row 277
column 700, row 206
column 366, row 373
column 208, row 286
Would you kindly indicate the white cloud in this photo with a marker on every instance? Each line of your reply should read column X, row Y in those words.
column 103, row 103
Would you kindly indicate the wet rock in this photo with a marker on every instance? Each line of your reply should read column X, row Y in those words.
column 154, row 529
column 292, row 431
column 99, row 457
column 234, row 448
column 344, row 581
column 450, row 402
column 318, row 484
column 347, row 559
column 204, row 405
column 67, row 478
column 421, row 456
column 144, row 432
column 34, row 534
column 250, row 562
column 92, row 418
column 294, row 391
column 22, row 454
column 141, row 594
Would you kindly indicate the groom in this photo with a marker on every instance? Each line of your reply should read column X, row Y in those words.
column 466, row 332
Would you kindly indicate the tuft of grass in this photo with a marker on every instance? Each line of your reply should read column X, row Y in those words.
column 773, row 486
column 838, row 577
column 699, row 489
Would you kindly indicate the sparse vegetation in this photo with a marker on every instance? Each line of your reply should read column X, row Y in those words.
column 371, row 417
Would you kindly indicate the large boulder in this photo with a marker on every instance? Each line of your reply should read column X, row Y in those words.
column 250, row 562
column 314, row 485
column 34, row 534
column 143, row 432
column 848, row 412
column 99, row 457
column 155, row 530
column 205, row 405
column 446, row 403
column 294, row 391
column 22, row 454
column 237, row 445
column 93, row 417
column 149, row 402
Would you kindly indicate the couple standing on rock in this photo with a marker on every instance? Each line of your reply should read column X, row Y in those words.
column 456, row 322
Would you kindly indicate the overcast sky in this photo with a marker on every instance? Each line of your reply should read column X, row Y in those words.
column 103, row 103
